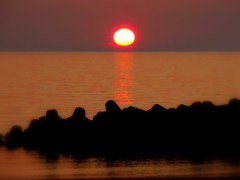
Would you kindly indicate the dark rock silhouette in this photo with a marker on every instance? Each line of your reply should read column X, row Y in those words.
column 111, row 106
column 199, row 130
column 157, row 108
column 79, row 114
column 14, row 137
column 2, row 142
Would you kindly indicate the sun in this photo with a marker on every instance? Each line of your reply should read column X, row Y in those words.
column 124, row 37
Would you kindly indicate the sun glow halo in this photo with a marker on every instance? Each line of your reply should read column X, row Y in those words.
column 124, row 37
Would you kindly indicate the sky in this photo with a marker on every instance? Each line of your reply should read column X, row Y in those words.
column 88, row 25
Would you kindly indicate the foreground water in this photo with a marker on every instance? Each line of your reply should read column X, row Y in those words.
column 31, row 83
column 20, row 164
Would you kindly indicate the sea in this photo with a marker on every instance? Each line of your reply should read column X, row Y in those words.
column 34, row 82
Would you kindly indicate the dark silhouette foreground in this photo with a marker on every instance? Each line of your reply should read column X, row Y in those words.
column 199, row 130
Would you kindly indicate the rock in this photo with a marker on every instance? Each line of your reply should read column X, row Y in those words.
column 15, row 136
column 111, row 106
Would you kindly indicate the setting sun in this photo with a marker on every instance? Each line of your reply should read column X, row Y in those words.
column 124, row 37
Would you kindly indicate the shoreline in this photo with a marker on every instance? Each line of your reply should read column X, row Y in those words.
column 201, row 130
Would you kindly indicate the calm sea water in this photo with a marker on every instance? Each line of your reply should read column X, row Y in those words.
column 32, row 83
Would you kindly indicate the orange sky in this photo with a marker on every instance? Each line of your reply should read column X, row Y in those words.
column 87, row 25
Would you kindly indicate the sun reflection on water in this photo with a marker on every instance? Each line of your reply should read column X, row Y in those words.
column 124, row 78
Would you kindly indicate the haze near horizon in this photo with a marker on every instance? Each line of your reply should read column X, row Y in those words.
column 160, row 25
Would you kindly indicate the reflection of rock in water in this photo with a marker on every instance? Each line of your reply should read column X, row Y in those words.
column 199, row 130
